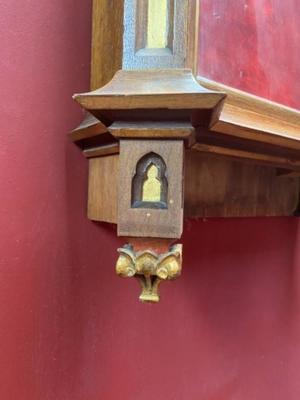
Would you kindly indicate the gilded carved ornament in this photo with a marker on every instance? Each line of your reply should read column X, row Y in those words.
column 149, row 268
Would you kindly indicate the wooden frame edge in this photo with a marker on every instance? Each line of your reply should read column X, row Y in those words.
column 255, row 118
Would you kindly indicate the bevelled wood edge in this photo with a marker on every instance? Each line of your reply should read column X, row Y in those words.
column 240, row 117
column 254, row 118
column 215, row 187
column 242, row 155
column 170, row 89
column 88, row 128
column 101, row 151
column 154, row 130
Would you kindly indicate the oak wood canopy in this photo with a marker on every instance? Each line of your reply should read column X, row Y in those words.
column 241, row 160
column 163, row 145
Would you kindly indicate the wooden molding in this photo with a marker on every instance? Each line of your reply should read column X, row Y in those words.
column 240, row 125
column 154, row 130
column 107, row 40
column 89, row 127
column 101, row 151
column 242, row 155
column 253, row 118
column 173, row 89
column 192, row 35
column 215, row 186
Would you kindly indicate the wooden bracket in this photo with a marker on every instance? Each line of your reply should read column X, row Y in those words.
column 153, row 115
column 161, row 146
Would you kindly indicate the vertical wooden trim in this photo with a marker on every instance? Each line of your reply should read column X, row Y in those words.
column 171, row 15
column 192, row 34
column 107, row 40
column 141, row 24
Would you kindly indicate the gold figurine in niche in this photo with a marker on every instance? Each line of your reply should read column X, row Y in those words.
column 152, row 185
column 149, row 184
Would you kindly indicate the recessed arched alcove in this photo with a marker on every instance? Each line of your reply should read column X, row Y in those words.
column 149, row 184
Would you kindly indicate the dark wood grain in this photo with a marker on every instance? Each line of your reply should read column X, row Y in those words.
column 214, row 187
column 107, row 40
column 164, row 223
column 220, row 187
column 103, row 188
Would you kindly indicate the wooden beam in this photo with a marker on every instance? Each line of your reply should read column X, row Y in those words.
column 101, row 151
column 107, row 40
column 254, row 118
column 242, row 155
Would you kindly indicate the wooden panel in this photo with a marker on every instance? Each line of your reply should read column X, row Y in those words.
column 88, row 128
column 107, row 40
column 151, row 222
column 216, row 187
column 103, row 188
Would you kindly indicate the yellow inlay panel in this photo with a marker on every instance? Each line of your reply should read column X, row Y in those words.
column 157, row 24
column 152, row 186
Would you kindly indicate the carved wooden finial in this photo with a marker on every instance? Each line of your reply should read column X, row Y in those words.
column 149, row 132
column 150, row 268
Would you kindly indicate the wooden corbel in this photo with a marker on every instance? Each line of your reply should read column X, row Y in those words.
column 151, row 116
column 162, row 147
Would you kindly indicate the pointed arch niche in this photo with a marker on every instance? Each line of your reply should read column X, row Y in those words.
column 150, row 184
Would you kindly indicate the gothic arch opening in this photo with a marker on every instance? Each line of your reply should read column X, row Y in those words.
column 150, row 184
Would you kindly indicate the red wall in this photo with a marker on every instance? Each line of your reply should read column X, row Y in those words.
column 253, row 45
column 228, row 329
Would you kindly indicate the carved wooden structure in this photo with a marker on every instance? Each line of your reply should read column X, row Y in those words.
column 163, row 146
column 151, row 119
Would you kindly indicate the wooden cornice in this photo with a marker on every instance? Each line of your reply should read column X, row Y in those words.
column 235, row 124
column 250, row 117
column 88, row 128
column 144, row 89
column 155, row 95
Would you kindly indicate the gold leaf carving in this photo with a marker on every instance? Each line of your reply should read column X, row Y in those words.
column 152, row 186
column 149, row 268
